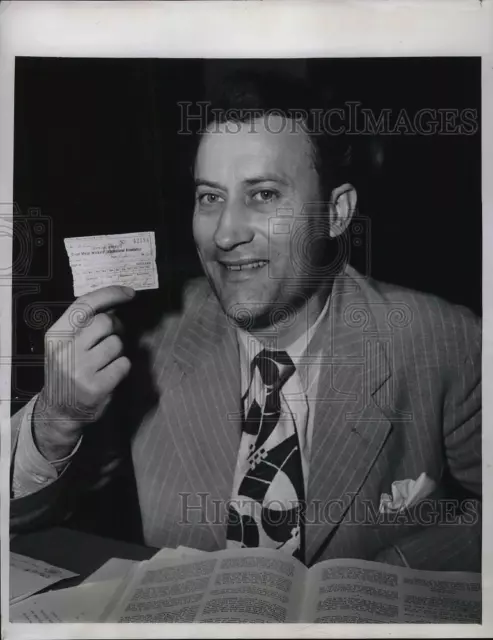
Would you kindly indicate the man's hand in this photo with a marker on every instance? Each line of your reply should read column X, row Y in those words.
column 84, row 363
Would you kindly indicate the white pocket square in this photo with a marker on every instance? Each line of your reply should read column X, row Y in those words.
column 406, row 493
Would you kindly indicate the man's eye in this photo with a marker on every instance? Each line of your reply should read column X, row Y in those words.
column 266, row 195
column 209, row 198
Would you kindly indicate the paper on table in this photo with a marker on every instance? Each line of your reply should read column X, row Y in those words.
column 189, row 551
column 165, row 552
column 179, row 552
column 28, row 576
column 113, row 569
column 84, row 603
column 124, row 259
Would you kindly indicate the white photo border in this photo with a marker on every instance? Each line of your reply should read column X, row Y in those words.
column 251, row 29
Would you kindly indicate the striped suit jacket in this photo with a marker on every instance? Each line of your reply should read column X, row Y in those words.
column 399, row 395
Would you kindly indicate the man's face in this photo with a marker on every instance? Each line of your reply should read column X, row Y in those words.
column 245, row 173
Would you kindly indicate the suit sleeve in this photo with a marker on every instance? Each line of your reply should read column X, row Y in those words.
column 37, row 485
column 452, row 547
column 30, row 470
column 457, row 546
column 44, row 493
column 462, row 416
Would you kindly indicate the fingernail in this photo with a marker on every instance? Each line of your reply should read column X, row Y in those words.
column 129, row 291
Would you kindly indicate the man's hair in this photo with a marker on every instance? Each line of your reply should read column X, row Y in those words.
column 245, row 95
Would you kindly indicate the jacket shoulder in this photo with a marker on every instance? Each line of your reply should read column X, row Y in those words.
column 420, row 312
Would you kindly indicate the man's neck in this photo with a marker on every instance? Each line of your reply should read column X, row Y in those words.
column 288, row 329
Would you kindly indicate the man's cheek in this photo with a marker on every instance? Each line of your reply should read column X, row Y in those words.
column 280, row 264
column 204, row 243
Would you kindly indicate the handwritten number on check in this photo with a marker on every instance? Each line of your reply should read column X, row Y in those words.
column 127, row 259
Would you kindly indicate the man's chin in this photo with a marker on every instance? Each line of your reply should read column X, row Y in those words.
column 248, row 307
column 245, row 313
column 255, row 315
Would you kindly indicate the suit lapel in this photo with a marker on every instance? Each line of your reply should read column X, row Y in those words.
column 207, row 408
column 349, row 427
column 349, row 430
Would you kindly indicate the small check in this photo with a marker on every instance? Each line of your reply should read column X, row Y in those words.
column 127, row 259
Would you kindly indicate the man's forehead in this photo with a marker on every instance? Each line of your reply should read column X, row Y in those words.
column 256, row 143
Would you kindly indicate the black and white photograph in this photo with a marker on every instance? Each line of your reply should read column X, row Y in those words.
column 246, row 340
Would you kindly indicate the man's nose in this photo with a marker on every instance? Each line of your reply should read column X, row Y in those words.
column 233, row 228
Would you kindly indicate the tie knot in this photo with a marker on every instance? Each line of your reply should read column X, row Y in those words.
column 275, row 367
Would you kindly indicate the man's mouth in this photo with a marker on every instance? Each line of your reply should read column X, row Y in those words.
column 243, row 265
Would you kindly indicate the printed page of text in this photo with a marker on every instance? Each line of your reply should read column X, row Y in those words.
column 28, row 576
column 84, row 603
column 445, row 596
column 348, row 591
column 258, row 586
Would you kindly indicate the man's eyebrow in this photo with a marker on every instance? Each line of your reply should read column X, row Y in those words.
column 208, row 183
column 267, row 177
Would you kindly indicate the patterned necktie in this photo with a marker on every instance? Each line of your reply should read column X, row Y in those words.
column 268, row 500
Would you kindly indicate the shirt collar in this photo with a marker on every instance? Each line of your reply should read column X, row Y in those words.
column 250, row 346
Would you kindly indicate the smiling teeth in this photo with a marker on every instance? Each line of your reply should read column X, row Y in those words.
column 251, row 265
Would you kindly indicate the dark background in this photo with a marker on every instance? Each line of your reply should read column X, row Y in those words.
column 96, row 152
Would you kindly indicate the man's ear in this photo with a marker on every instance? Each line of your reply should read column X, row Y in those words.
column 343, row 205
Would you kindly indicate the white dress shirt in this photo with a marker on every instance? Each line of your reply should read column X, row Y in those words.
column 300, row 391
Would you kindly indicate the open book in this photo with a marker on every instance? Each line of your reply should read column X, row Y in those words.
column 261, row 585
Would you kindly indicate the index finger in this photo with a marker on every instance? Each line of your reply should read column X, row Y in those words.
column 81, row 312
